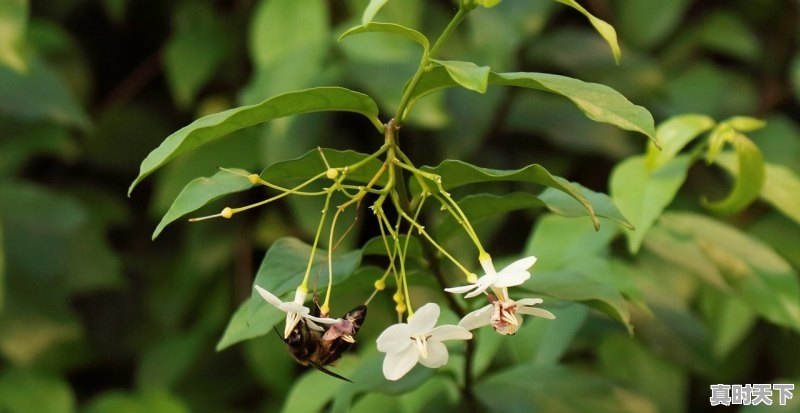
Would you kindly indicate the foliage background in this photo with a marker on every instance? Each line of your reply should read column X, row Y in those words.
column 97, row 318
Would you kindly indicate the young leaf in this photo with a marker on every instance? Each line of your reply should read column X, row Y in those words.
column 674, row 134
column 599, row 102
column 764, row 280
column 642, row 194
column 750, row 178
column 389, row 28
column 372, row 9
column 605, row 29
column 212, row 127
column 14, row 21
column 456, row 173
column 284, row 267
column 746, row 123
column 467, row 74
column 723, row 133
column 200, row 192
column 781, row 185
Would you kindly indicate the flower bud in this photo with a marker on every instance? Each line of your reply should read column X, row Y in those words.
column 398, row 297
column 380, row 285
column 254, row 178
column 226, row 213
column 332, row 173
column 400, row 308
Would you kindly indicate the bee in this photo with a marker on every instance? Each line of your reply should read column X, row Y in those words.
column 321, row 348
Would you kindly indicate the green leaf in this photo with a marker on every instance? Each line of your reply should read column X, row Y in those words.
column 544, row 342
column 376, row 246
column 605, row 29
column 750, row 178
column 194, row 52
column 323, row 387
column 392, row 28
column 245, row 325
column 529, row 388
column 467, row 74
column 284, row 267
column 723, row 133
column 311, row 164
column 13, row 24
column 764, row 280
column 212, row 127
column 560, row 203
column 25, row 391
column 2, row 269
column 746, row 123
column 152, row 402
column 201, row 191
column 456, row 173
column 781, row 186
column 685, row 253
column 642, row 195
column 481, row 206
column 281, row 28
column 730, row 321
column 674, row 134
column 167, row 361
column 598, row 102
column 372, row 9
column 645, row 23
column 39, row 94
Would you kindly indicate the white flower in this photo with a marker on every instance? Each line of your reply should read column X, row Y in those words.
column 295, row 310
column 504, row 315
column 515, row 273
column 418, row 341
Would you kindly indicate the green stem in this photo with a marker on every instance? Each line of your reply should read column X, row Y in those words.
column 430, row 54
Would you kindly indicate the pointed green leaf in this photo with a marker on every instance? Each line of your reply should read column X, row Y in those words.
column 600, row 103
column 456, row 173
column 781, row 185
column 560, row 203
column 212, row 127
column 467, row 74
column 749, row 178
column 201, row 191
column 746, row 123
column 244, row 325
column 764, row 280
column 642, row 195
column 372, row 9
column 674, row 134
column 605, row 29
column 284, row 267
column 389, row 28
column 723, row 133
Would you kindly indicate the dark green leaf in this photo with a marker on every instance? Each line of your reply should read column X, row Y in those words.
column 376, row 246
column 194, row 52
column 281, row 28
column 152, row 402
column 645, row 23
column 26, row 392
column 312, row 164
column 201, row 191
column 481, row 206
column 605, row 29
column 760, row 276
column 215, row 126
column 397, row 29
column 600, row 103
column 559, row 203
column 456, row 173
column 544, row 342
column 642, row 195
column 167, row 361
column 529, row 388
column 467, row 74
column 750, row 178
column 284, row 267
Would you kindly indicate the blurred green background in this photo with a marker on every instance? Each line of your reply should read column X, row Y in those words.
column 95, row 317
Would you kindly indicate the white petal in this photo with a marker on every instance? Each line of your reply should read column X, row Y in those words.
column 510, row 279
column 449, row 332
column 269, row 297
column 300, row 296
column 461, row 289
column 437, row 355
column 477, row 318
column 520, row 265
column 313, row 326
column 488, row 266
column 395, row 339
column 324, row 320
column 479, row 289
column 538, row 312
column 530, row 301
column 424, row 319
column 396, row 365
column 292, row 307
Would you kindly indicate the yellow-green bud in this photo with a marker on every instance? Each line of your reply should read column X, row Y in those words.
column 398, row 297
column 254, row 178
column 332, row 173
column 226, row 213
column 380, row 285
column 400, row 308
